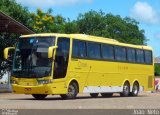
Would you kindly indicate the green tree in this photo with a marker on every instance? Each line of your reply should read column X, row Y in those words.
column 157, row 69
column 107, row 25
column 46, row 22
column 93, row 23
column 71, row 27
column 19, row 13
column 42, row 21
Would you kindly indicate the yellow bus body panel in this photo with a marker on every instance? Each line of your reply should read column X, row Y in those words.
column 91, row 73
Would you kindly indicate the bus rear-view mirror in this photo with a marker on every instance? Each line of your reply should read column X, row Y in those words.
column 9, row 53
column 51, row 50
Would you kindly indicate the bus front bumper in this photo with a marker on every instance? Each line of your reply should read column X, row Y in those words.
column 39, row 89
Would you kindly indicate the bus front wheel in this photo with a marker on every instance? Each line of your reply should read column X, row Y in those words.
column 126, row 90
column 72, row 91
column 39, row 96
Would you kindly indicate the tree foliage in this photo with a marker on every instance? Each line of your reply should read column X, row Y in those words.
column 157, row 69
column 46, row 22
column 19, row 13
column 71, row 27
column 42, row 22
column 107, row 25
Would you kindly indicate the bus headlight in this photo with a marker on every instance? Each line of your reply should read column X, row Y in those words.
column 44, row 81
column 14, row 82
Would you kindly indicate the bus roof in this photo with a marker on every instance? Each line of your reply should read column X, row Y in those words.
column 89, row 38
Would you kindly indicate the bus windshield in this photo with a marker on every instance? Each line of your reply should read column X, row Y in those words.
column 31, row 57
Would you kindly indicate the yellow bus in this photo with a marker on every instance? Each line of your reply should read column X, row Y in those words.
column 68, row 64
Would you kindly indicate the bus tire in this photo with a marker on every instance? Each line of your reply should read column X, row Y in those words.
column 94, row 95
column 126, row 90
column 106, row 94
column 135, row 89
column 72, row 91
column 39, row 96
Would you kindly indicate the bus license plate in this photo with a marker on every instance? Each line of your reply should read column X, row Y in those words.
column 27, row 89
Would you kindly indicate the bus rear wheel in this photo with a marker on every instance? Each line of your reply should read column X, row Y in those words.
column 72, row 91
column 106, row 94
column 126, row 90
column 135, row 89
column 39, row 96
column 94, row 95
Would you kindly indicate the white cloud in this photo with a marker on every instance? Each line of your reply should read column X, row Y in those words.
column 143, row 12
column 157, row 35
column 50, row 3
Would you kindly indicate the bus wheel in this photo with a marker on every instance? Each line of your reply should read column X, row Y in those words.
column 72, row 92
column 106, row 94
column 94, row 95
column 135, row 89
column 126, row 90
column 39, row 96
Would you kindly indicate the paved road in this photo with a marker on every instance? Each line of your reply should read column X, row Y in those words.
column 20, row 101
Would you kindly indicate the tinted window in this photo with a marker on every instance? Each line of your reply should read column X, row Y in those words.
column 79, row 48
column 140, row 56
column 131, row 55
column 75, row 48
column 94, row 50
column 82, row 49
column 61, row 59
column 107, row 52
column 120, row 53
column 31, row 57
column 148, row 57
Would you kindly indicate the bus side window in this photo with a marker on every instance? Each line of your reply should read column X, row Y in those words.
column 140, row 56
column 131, row 55
column 93, row 50
column 120, row 53
column 82, row 49
column 148, row 57
column 79, row 49
column 75, row 48
column 107, row 52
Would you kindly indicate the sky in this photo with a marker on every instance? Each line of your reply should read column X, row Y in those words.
column 146, row 12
